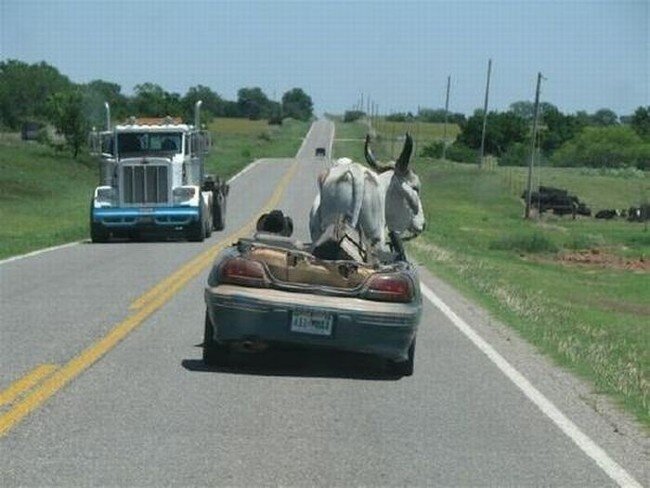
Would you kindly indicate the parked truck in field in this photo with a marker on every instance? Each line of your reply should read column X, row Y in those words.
column 153, row 181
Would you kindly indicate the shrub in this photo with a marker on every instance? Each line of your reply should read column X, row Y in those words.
column 352, row 115
column 604, row 147
column 461, row 153
column 433, row 150
column 517, row 155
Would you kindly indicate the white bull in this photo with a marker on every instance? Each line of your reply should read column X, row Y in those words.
column 371, row 202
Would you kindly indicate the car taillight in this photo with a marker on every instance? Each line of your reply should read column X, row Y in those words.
column 389, row 288
column 239, row 271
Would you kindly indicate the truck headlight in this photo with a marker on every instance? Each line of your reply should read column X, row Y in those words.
column 184, row 195
column 105, row 196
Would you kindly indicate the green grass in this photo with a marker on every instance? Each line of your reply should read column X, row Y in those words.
column 237, row 142
column 592, row 318
column 45, row 194
column 349, row 137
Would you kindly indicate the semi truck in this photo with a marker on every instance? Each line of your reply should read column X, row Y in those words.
column 153, row 181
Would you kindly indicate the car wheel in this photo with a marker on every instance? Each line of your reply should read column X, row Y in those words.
column 405, row 368
column 214, row 354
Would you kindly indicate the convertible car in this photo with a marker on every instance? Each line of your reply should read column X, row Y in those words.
column 273, row 290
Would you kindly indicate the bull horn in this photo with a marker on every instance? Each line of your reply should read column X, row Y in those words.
column 404, row 158
column 370, row 157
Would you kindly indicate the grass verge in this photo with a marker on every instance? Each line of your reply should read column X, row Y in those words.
column 576, row 289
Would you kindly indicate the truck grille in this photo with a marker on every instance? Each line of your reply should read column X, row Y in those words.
column 145, row 184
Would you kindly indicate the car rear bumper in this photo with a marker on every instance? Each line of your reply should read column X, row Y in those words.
column 115, row 218
column 383, row 329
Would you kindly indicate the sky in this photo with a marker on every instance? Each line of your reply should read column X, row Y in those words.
column 593, row 54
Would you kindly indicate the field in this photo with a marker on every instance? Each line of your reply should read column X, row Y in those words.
column 45, row 194
column 577, row 289
column 237, row 142
column 349, row 137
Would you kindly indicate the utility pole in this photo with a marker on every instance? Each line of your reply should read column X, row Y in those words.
column 444, row 134
column 485, row 111
column 532, row 148
column 361, row 104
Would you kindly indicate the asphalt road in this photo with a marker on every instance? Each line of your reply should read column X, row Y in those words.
column 140, row 409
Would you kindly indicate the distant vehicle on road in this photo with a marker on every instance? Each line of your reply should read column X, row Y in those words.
column 153, row 181
column 320, row 151
column 272, row 290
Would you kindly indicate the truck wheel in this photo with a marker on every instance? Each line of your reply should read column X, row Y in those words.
column 214, row 354
column 97, row 233
column 405, row 368
column 219, row 213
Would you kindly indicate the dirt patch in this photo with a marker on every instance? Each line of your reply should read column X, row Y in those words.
column 603, row 259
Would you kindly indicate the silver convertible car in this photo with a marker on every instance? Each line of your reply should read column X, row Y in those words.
column 272, row 290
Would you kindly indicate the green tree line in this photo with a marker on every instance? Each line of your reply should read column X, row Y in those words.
column 40, row 93
column 600, row 139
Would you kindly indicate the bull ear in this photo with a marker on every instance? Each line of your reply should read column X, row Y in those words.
column 404, row 158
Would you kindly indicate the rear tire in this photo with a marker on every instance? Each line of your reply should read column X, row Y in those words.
column 219, row 212
column 214, row 354
column 405, row 368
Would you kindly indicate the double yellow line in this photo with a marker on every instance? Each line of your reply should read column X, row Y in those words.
column 36, row 387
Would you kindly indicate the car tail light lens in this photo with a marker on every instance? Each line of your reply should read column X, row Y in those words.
column 239, row 271
column 391, row 287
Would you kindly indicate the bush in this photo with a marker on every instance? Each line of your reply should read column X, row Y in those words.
column 352, row 115
column 433, row 150
column 517, row 155
column 604, row 147
column 461, row 153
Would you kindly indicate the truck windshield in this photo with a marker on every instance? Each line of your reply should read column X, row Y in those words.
column 134, row 143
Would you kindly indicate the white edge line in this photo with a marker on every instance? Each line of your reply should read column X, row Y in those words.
column 584, row 442
column 40, row 251
column 304, row 141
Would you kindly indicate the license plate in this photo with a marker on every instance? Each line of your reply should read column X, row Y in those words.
column 317, row 323
column 146, row 220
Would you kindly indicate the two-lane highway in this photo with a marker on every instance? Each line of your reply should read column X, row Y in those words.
column 118, row 395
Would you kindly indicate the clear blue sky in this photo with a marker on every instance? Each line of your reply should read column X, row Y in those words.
column 594, row 54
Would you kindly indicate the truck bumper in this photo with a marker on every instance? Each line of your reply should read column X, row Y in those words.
column 382, row 329
column 145, row 218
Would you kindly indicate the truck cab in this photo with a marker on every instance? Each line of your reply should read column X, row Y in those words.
column 152, row 181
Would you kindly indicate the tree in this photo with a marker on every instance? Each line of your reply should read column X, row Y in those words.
column 95, row 94
column 604, row 117
column 65, row 110
column 604, row 147
column 641, row 122
column 151, row 100
column 213, row 105
column 253, row 103
column 503, row 129
column 297, row 104
column 560, row 128
column 25, row 89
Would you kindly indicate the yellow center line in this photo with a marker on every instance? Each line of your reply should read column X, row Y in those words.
column 147, row 305
column 26, row 383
